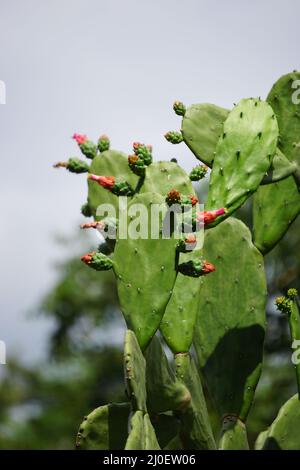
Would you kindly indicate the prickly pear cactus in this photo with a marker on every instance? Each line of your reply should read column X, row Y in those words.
column 211, row 295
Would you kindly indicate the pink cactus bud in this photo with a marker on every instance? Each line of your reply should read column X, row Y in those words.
column 136, row 145
column 194, row 200
column 97, row 224
column 104, row 181
column 80, row 138
column 208, row 267
column 190, row 239
column 87, row 259
column 208, row 217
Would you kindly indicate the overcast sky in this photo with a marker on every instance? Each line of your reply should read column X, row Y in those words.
column 115, row 67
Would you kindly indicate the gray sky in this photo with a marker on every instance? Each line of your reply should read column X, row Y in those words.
column 115, row 67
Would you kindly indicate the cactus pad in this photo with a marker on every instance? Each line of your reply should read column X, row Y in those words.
column 230, row 326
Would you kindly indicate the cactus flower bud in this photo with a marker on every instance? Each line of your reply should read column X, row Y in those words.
column 98, row 224
column 284, row 305
column 97, row 261
column 74, row 165
column 87, row 147
column 173, row 197
column 80, row 138
column 292, row 293
column 198, row 172
column 104, row 181
column 103, row 143
column 174, row 137
column 187, row 244
column 208, row 217
column 196, row 268
column 179, row 108
column 118, row 187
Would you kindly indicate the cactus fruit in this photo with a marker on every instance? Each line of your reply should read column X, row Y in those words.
column 104, row 428
column 198, row 172
column 174, row 137
column 103, row 143
column 97, row 261
column 202, row 126
column 143, row 285
column 244, row 154
column 74, row 165
column 110, row 163
column 283, row 433
column 87, row 147
column 230, row 326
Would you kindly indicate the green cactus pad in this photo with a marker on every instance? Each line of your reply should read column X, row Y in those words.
column 283, row 433
column 230, row 326
column 280, row 168
column 244, row 154
column 161, row 177
column 108, row 163
column 146, row 272
column 177, row 326
column 105, row 428
column 142, row 434
column 196, row 430
column 260, row 440
column 202, row 126
column 233, row 435
column 286, row 106
column 275, row 207
column 167, row 429
column 278, row 205
column 135, row 372
column 164, row 391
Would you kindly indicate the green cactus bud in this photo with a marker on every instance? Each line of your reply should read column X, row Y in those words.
column 198, row 173
column 103, row 143
column 179, row 108
column 86, row 210
column 292, row 293
column 97, row 261
column 284, row 305
column 74, row 165
column 174, row 137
